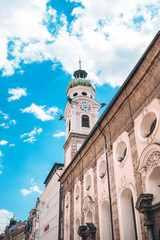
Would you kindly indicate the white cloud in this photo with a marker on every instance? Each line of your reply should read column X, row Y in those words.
column 16, row 93
column 12, row 121
column 1, row 166
column 21, row 29
column 41, row 112
column 12, row 145
column 30, row 137
column 5, row 217
column 32, row 189
column 25, row 192
column 3, row 142
column 35, row 189
column 7, row 122
column 1, row 155
column 5, row 116
column 110, row 36
column 4, row 125
column 59, row 134
column 32, row 179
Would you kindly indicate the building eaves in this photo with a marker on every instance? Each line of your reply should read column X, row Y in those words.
column 54, row 168
column 98, row 123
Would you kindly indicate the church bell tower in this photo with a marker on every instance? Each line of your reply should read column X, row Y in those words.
column 81, row 112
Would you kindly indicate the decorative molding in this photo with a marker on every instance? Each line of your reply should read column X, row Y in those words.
column 88, row 204
column 153, row 160
column 104, row 197
column 145, row 111
column 149, row 158
column 126, row 183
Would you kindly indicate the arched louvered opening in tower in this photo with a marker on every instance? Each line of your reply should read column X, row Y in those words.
column 85, row 121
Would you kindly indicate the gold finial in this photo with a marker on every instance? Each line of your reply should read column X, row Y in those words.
column 79, row 63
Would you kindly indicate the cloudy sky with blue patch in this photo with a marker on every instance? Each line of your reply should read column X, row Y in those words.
column 40, row 44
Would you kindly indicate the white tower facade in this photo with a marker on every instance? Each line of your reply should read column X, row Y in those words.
column 81, row 113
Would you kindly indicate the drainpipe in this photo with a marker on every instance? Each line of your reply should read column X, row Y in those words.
column 109, row 187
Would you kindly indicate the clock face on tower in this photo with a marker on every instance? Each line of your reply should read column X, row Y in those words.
column 85, row 106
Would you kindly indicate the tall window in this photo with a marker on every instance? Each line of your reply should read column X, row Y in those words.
column 128, row 215
column 85, row 121
column 69, row 127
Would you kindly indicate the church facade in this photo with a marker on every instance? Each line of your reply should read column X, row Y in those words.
column 112, row 165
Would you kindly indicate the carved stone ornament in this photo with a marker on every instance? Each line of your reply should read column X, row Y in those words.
column 104, row 197
column 125, row 183
column 150, row 157
column 88, row 204
column 145, row 111
column 153, row 160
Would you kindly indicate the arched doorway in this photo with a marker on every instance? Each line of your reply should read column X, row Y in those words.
column 128, row 215
column 154, row 184
column 105, row 221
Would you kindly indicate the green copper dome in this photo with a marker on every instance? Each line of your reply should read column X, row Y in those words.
column 80, row 81
column 14, row 219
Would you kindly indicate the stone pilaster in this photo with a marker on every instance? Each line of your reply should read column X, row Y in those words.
column 113, row 195
column 137, row 175
column 71, row 191
column 82, row 196
column 63, row 199
column 96, row 217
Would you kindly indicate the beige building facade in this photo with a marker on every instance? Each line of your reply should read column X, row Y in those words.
column 112, row 170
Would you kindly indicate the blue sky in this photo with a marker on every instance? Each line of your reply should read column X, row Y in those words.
column 39, row 53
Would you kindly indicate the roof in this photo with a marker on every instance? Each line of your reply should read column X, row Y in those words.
column 13, row 219
column 55, row 167
column 133, row 72
column 80, row 81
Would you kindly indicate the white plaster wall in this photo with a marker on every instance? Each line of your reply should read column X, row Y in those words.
column 142, row 142
column 102, row 188
column 77, row 207
column 90, row 193
column 50, row 215
column 124, row 178
column 67, row 217
column 91, row 190
column 68, row 157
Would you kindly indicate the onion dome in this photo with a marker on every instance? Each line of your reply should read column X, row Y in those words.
column 14, row 219
column 80, row 76
column 82, row 82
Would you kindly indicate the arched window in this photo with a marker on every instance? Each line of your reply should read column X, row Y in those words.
column 128, row 215
column 105, row 222
column 85, row 121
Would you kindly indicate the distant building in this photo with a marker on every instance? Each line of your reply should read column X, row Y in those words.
column 111, row 178
column 49, row 205
column 19, row 232
column 33, row 223
column 15, row 230
column 2, row 236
